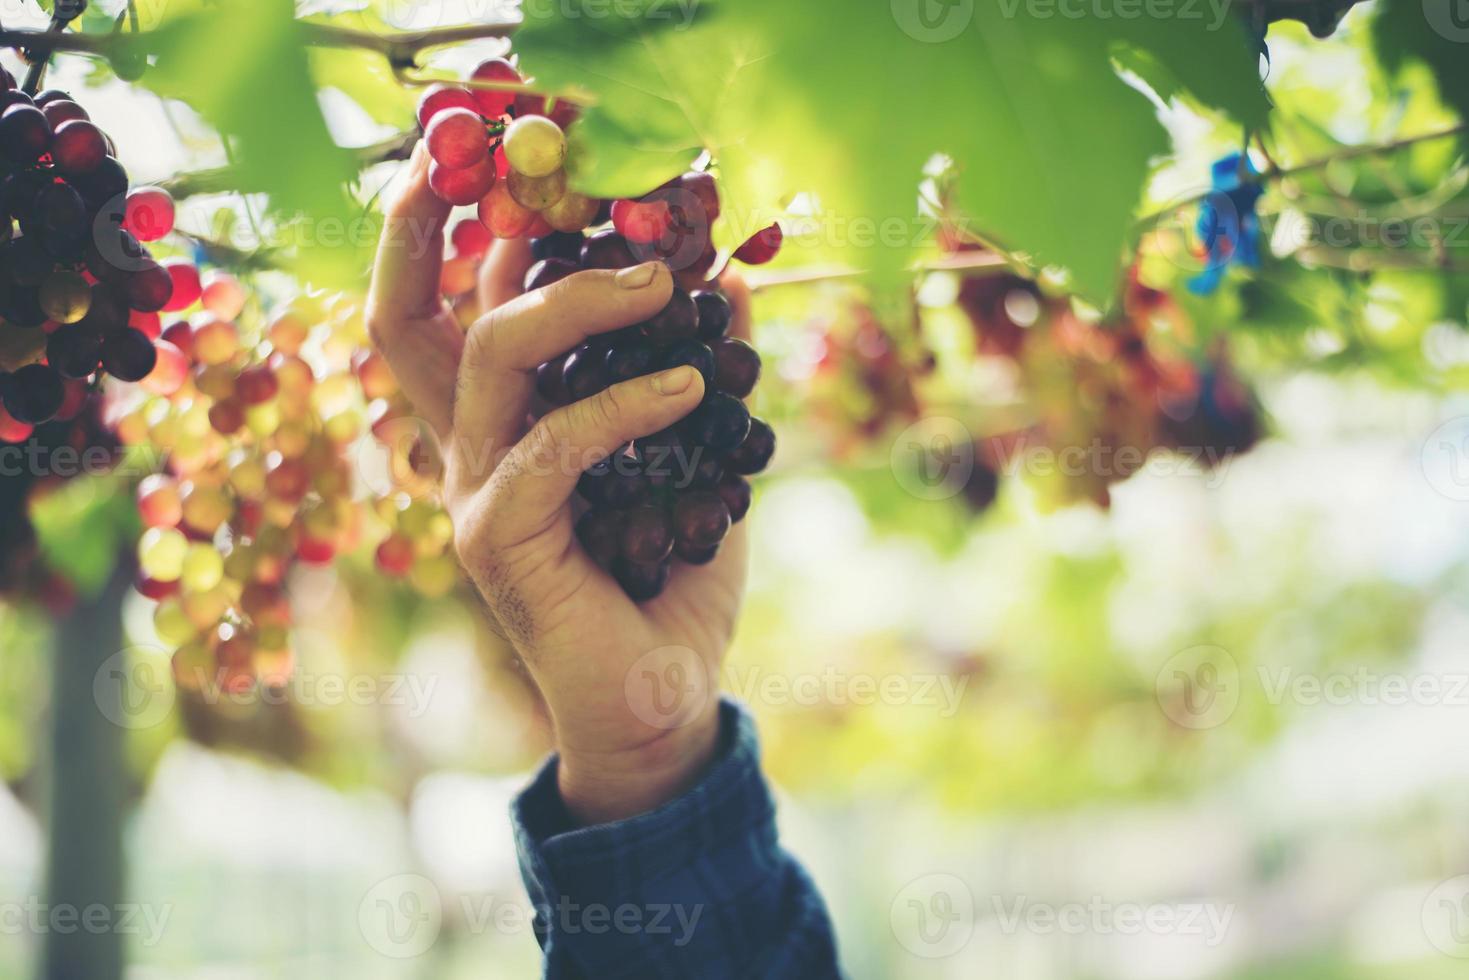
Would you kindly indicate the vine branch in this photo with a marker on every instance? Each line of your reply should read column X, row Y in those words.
column 224, row 180
column 1274, row 173
column 400, row 48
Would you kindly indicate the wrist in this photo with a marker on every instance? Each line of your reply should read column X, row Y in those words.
column 601, row 785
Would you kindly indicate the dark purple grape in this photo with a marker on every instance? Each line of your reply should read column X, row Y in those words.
column 736, row 494
column 607, row 250
column 17, row 191
column 25, row 135
column 63, row 111
column 600, row 533
column 592, row 484
column 714, row 314
column 641, row 581
column 736, row 367
column 104, row 187
column 690, row 555
column 79, row 148
column 754, row 454
column 647, row 534
column 21, row 306
column 679, row 320
column 547, row 271
column 74, row 351
column 108, row 311
column 33, row 394
column 662, row 454
column 24, row 262
column 550, row 383
column 701, row 519
column 692, row 353
column 113, row 252
column 52, row 95
column 703, row 470
column 721, row 423
column 150, row 288
column 128, row 355
column 630, row 359
column 10, row 97
column 585, row 373
column 57, row 218
column 559, row 245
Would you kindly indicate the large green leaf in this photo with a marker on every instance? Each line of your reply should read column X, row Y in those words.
column 243, row 66
column 1435, row 32
column 1053, row 147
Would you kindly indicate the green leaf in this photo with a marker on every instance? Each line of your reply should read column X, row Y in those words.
column 1432, row 32
column 83, row 527
column 1051, row 145
column 244, row 68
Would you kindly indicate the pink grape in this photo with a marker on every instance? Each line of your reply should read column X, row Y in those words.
column 456, row 138
column 223, row 295
column 150, row 214
column 464, row 186
column 169, row 371
column 442, row 97
column 186, row 285
column 492, row 103
column 470, row 238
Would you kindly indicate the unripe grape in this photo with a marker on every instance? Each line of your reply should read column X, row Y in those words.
column 500, row 213
column 204, row 609
column 287, row 332
column 193, row 665
column 205, row 508
column 223, row 295
column 572, row 212
column 65, row 296
column 375, row 375
column 435, row 576
column 171, row 624
column 161, row 553
column 535, row 146
column 537, row 193
column 159, row 504
column 215, row 342
column 203, row 568
column 169, row 372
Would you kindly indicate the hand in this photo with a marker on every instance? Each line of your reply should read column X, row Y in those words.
column 509, row 485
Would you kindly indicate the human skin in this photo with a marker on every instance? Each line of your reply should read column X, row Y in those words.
column 509, row 488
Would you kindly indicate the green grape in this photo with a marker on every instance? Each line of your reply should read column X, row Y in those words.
column 161, row 553
column 203, row 568
column 535, row 146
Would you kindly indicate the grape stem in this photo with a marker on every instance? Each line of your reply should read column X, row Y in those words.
column 401, row 49
column 223, row 180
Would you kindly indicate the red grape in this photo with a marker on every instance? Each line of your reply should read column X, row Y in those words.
column 456, row 139
column 494, row 103
column 442, row 97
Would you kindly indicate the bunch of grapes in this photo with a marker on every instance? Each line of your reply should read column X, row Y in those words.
column 675, row 493
column 263, row 429
column 79, row 291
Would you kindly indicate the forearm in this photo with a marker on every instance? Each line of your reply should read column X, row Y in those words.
column 698, row 887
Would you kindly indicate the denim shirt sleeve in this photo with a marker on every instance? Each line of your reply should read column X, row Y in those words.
column 699, row 887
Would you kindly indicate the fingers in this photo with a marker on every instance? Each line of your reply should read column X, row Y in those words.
column 406, row 316
column 537, row 478
column 507, row 344
column 503, row 272
column 738, row 293
column 405, row 280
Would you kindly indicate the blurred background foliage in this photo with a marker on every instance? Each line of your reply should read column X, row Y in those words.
column 1046, row 176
